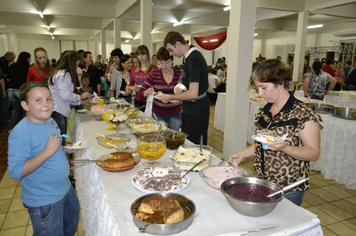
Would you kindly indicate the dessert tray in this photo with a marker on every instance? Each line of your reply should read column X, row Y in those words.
column 147, row 191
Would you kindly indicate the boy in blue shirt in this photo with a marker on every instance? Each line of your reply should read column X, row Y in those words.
column 37, row 158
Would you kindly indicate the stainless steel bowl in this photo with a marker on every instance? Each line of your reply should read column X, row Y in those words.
column 165, row 229
column 321, row 107
column 106, row 99
column 254, row 209
column 345, row 113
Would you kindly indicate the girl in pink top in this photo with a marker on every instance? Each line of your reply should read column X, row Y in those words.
column 42, row 67
column 139, row 74
column 340, row 74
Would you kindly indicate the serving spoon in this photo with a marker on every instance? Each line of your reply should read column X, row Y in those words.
column 286, row 188
column 159, row 131
column 201, row 161
column 201, row 145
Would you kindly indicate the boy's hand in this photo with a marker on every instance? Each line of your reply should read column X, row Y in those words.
column 52, row 144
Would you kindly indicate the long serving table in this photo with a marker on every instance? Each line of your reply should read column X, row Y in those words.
column 106, row 198
column 337, row 151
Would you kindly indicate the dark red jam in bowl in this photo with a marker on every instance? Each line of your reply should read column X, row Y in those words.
column 251, row 192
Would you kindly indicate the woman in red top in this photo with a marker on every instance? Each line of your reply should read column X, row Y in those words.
column 42, row 67
column 139, row 74
column 164, row 80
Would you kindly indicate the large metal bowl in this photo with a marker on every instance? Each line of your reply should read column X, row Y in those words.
column 321, row 107
column 106, row 99
column 344, row 113
column 254, row 209
column 165, row 229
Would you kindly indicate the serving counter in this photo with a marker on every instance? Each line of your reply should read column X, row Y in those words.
column 337, row 151
column 106, row 198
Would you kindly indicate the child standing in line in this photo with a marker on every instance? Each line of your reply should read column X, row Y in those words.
column 85, row 84
column 36, row 158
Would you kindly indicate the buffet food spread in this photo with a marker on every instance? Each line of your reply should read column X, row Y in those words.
column 160, row 183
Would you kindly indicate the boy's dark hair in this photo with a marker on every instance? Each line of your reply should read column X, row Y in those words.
column 26, row 88
column 163, row 54
column 349, row 63
column 330, row 62
column 84, row 75
column 173, row 37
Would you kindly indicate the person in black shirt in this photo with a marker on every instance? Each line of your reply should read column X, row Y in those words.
column 17, row 76
column 5, row 63
column 196, row 105
column 92, row 71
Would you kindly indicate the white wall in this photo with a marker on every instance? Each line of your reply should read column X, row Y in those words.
column 28, row 45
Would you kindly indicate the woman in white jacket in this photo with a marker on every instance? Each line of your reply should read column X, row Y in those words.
column 63, row 85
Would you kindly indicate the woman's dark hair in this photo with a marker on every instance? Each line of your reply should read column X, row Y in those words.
column 123, row 59
column 117, row 52
column 22, row 60
column 27, row 87
column 330, row 62
column 317, row 67
column 143, row 49
column 68, row 63
column 163, row 54
column 272, row 71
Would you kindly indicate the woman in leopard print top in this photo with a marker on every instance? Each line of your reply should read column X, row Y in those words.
column 287, row 161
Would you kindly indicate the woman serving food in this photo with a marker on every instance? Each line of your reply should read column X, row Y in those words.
column 285, row 160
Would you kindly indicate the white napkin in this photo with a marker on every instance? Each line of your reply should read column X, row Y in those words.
column 149, row 103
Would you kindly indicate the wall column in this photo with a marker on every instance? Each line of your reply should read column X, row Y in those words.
column 240, row 43
column 301, row 39
column 117, row 32
column 146, row 23
column 103, row 45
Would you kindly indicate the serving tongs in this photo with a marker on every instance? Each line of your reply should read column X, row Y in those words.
column 79, row 161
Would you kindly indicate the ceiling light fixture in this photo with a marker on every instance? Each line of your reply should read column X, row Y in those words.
column 40, row 13
column 178, row 23
column 315, row 26
column 52, row 37
column 255, row 34
column 136, row 37
column 227, row 8
column 47, row 27
column 126, row 41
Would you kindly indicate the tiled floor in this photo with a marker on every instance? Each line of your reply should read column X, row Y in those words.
column 334, row 204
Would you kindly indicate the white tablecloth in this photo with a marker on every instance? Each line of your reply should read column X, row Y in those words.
column 106, row 198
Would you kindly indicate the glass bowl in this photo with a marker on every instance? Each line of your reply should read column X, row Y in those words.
column 215, row 175
column 187, row 155
column 146, row 149
column 174, row 139
column 113, row 139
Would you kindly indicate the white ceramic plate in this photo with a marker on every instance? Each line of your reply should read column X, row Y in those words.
column 186, row 178
column 82, row 110
column 258, row 140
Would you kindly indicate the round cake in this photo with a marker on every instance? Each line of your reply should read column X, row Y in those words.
column 119, row 159
column 159, row 178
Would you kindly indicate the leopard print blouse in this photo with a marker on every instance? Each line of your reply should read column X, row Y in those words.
column 284, row 169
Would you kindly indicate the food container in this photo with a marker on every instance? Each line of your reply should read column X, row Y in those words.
column 136, row 157
column 165, row 229
column 321, row 108
column 113, row 139
column 251, row 208
column 145, row 128
column 344, row 113
column 215, row 175
column 132, row 112
column 106, row 100
column 174, row 139
column 146, row 149
column 185, row 157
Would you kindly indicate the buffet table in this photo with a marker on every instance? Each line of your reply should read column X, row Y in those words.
column 106, row 198
column 337, row 151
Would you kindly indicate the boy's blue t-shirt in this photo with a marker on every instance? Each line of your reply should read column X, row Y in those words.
column 49, row 183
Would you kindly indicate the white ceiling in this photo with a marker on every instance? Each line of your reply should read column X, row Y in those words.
column 83, row 19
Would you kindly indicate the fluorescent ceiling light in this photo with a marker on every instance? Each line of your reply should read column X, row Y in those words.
column 126, row 41
column 136, row 37
column 52, row 37
column 40, row 13
column 47, row 27
column 178, row 23
column 214, row 40
column 227, row 8
column 314, row 26
column 205, row 41
column 255, row 34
